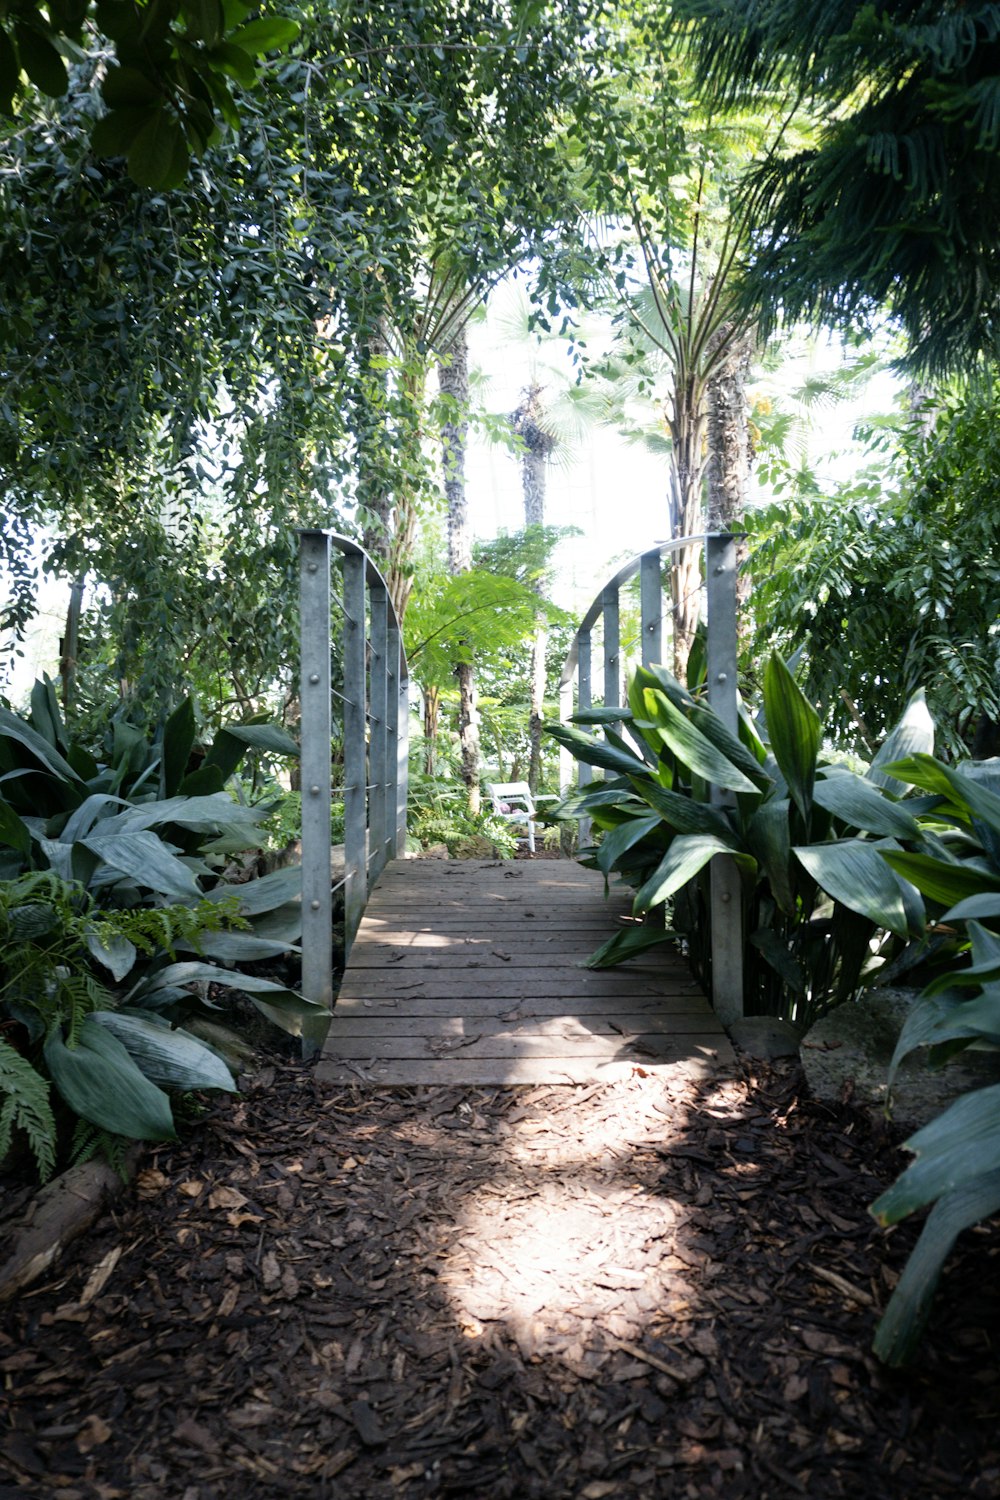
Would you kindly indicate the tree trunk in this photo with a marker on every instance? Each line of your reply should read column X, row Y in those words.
column 372, row 492
column 528, row 421
column 399, row 570
column 730, row 453
column 453, row 379
column 687, row 432
column 69, row 646
column 432, row 712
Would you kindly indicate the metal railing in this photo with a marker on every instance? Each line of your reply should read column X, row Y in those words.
column 721, row 571
column 373, row 712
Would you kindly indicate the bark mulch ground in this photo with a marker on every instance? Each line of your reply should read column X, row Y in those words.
column 644, row 1289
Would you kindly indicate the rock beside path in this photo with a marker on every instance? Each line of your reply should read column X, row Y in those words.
column 852, row 1046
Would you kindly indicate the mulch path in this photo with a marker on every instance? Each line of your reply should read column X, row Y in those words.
column 651, row 1288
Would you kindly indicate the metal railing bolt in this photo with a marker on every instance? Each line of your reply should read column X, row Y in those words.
column 314, row 905
column 314, row 791
column 314, row 677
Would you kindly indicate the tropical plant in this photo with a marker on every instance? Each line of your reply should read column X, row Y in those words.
column 109, row 1064
column 144, row 828
column 822, row 911
column 889, row 583
column 956, row 1166
column 905, row 100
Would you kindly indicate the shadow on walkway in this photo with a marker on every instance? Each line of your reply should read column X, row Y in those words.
column 651, row 1288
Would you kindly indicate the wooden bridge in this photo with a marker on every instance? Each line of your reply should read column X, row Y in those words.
column 468, row 972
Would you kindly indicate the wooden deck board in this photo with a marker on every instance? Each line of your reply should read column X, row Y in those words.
column 469, row 973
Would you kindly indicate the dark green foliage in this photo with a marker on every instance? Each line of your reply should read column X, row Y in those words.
column 167, row 91
column 957, row 1156
column 884, row 592
column 896, row 203
column 815, row 895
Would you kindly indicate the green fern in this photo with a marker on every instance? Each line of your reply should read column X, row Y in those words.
column 26, row 1107
column 90, row 1141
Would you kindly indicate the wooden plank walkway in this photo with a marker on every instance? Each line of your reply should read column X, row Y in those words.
column 467, row 972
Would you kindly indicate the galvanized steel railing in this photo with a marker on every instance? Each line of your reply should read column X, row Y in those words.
column 373, row 700
column 720, row 585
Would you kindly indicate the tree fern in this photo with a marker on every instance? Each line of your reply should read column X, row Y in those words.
column 25, row 1106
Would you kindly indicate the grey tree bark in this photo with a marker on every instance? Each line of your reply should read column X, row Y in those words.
column 453, row 380
column 528, row 421
column 730, row 450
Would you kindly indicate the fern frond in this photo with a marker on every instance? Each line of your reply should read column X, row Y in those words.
column 90, row 1141
column 26, row 1107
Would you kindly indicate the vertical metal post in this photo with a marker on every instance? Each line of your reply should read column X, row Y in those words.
column 585, row 699
column 726, row 893
column 612, row 650
column 378, row 731
column 314, row 695
column 355, row 747
column 402, row 755
column 566, row 761
column 392, row 707
column 651, row 607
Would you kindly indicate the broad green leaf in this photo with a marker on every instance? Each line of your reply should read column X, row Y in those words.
column 688, row 854
column 239, row 947
column 948, row 1017
column 45, row 715
column 85, row 817
column 731, row 747
column 263, row 737
column 178, row 740
column 9, row 73
column 939, row 879
column 769, row 841
column 46, row 755
column 794, row 731
column 114, row 133
column 600, row 716
column 129, row 88
column 857, row 802
column 265, row 894
column 216, row 811
column 14, row 834
column 158, row 156
column 925, row 772
column 118, row 955
column 683, row 813
column 977, row 908
column 205, row 20
column 627, row 944
column 595, row 752
column 236, row 62
column 174, row 1059
column 690, row 746
column 616, row 843
column 854, row 873
column 899, row 1331
column 958, row 1147
column 782, row 960
column 146, row 859
column 99, row 1080
column 266, row 35
column 285, row 1007
column 913, row 735
column 41, row 61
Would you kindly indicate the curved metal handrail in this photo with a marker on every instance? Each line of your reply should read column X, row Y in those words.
column 615, row 584
column 721, row 569
column 375, row 718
